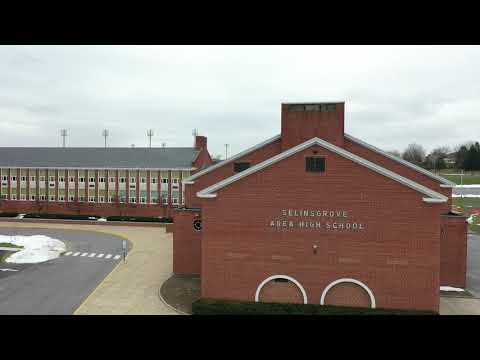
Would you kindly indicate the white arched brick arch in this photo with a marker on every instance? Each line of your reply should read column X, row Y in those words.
column 273, row 277
column 348, row 280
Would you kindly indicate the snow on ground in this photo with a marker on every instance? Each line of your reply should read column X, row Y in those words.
column 8, row 270
column 37, row 248
column 102, row 219
column 468, row 186
column 449, row 288
column 466, row 196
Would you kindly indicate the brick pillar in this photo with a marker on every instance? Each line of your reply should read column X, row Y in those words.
column 127, row 187
column 66, row 181
column 107, row 185
column 57, row 190
column 138, row 186
column 9, row 173
column 76, row 184
column 148, row 186
column 180, row 189
column 27, row 194
column 18, row 184
column 37, row 180
column 97, row 188
column 159, row 193
column 85, row 183
column 47, row 188
column 117, row 193
column 169, row 190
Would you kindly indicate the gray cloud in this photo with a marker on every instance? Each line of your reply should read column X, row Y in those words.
column 394, row 94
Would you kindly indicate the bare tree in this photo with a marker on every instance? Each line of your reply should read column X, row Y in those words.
column 415, row 154
column 394, row 153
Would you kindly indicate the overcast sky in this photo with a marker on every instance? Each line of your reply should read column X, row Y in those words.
column 394, row 95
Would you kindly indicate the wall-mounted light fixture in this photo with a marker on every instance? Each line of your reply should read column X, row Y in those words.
column 315, row 247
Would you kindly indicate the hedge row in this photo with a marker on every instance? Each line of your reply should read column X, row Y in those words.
column 90, row 217
column 60, row 216
column 8, row 214
column 139, row 219
column 227, row 307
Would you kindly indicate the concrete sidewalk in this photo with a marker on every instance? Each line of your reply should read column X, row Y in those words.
column 459, row 306
column 132, row 287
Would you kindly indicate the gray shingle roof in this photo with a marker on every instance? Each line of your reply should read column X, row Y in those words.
column 113, row 158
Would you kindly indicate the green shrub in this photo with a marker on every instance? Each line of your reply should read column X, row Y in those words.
column 59, row 216
column 139, row 219
column 8, row 214
column 227, row 307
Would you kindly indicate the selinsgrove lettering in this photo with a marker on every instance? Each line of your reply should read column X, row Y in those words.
column 314, row 213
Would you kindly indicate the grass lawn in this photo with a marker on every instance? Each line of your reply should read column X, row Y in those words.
column 467, row 179
column 466, row 204
column 10, row 245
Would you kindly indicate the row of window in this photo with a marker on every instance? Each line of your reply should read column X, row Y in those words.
column 312, row 164
column 91, row 199
column 143, row 180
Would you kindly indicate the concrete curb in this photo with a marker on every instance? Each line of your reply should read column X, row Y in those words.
column 167, row 304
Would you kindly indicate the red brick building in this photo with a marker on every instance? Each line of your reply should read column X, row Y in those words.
column 314, row 215
column 98, row 181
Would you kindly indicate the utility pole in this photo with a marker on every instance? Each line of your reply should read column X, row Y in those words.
column 149, row 134
column 63, row 133
column 105, row 135
column 226, row 151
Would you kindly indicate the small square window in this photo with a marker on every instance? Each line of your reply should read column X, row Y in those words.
column 240, row 166
column 164, row 181
column 154, row 180
column 132, row 180
column 92, row 180
column 142, row 180
column 315, row 164
column 122, row 180
column 23, row 178
column 112, row 179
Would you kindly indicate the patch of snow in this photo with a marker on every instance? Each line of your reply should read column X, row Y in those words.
column 449, row 288
column 20, row 216
column 8, row 270
column 466, row 196
column 92, row 218
column 37, row 248
column 468, row 186
column 102, row 219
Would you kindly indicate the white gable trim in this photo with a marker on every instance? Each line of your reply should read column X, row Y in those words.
column 443, row 181
column 432, row 196
column 190, row 179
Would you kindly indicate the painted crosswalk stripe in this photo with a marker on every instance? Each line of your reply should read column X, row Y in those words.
column 108, row 256
column 116, row 257
column 92, row 255
column 68, row 253
column 76, row 254
column 84, row 254
column 100, row 255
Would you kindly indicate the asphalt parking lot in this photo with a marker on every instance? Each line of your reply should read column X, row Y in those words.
column 60, row 285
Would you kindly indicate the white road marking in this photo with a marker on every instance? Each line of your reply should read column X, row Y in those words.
column 76, row 254
column 100, row 255
column 84, row 254
column 92, row 255
column 8, row 270
column 68, row 253
column 116, row 257
column 108, row 256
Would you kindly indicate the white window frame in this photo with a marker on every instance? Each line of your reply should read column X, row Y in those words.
column 112, row 180
column 23, row 197
column 143, row 180
column 90, row 181
column 61, row 179
column 13, row 178
column 132, row 180
column 43, row 197
column 81, row 179
column 101, row 199
column 121, row 180
column 91, row 199
column 101, row 179
column 71, row 198
column 51, row 198
column 153, row 180
column 42, row 178
column 32, row 178
column 32, row 197
column 133, row 200
column 61, row 198
column 164, row 180
column 23, row 178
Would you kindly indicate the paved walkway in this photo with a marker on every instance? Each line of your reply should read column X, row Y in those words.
column 132, row 287
column 459, row 306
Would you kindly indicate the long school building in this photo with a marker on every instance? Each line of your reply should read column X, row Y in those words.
column 98, row 181
column 314, row 215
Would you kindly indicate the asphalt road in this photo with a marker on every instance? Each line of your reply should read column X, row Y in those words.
column 473, row 264
column 58, row 286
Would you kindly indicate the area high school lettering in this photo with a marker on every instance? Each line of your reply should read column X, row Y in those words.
column 312, row 223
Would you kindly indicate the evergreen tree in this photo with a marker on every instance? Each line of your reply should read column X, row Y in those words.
column 460, row 157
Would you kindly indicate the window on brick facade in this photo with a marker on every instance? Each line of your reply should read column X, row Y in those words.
column 23, row 178
column 240, row 166
column 4, row 178
column 143, row 200
column 51, row 198
column 132, row 180
column 42, row 178
column 91, row 199
column 154, row 180
column 101, row 199
column 61, row 198
column 61, row 179
column 42, row 197
column 315, row 164
column 51, row 178
column 81, row 198
column 175, row 180
column 72, row 179
column 13, row 178
column 164, row 181
column 71, row 198
column 23, row 197
column 121, row 180
column 133, row 200
column 112, row 179
column 32, row 178
column 101, row 179
column 32, row 197
column 92, row 180
column 142, row 180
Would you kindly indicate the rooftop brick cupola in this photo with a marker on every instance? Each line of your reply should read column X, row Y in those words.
column 303, row 121
column 200, row 142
